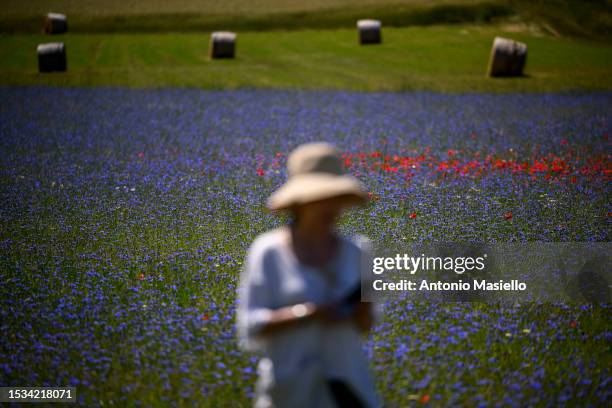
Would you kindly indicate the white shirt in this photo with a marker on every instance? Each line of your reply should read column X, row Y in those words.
column 298, row 360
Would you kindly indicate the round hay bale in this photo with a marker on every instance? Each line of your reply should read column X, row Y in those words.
column 369, row 32
column 51, row 57
column 222, row 44
column 55, row 23
column 508, row 58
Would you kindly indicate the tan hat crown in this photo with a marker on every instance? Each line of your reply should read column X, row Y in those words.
column 316, row 173
column 319, row 157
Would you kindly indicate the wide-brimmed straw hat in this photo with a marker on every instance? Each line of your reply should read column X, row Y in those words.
column 315, row 173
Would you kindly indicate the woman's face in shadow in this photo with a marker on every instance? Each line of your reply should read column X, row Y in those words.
column 321, row 214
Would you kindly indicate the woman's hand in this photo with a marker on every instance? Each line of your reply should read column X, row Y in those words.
column 328, row 313
column 288, row 316
column 332, row 313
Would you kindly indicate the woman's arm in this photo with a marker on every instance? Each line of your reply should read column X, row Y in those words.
column 363, row 316
column 289, row 316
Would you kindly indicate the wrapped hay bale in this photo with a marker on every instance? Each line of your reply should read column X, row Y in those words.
column 222, row 44
column 369, row 31
column 508, row 58
column 51, row 57
column 55, row 23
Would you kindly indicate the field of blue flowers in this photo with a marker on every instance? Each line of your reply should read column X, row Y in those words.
column 126, row 215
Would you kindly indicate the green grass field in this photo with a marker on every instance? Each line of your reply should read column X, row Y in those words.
column 449, row 58
column 440, row 46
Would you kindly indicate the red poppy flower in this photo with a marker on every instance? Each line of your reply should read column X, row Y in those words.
column 204, row 317
column 424, row 399
column 508, row 215
column 573, row 324
column 412, row 215
column 260, row 171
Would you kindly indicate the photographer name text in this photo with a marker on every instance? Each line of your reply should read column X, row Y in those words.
column 425, row 285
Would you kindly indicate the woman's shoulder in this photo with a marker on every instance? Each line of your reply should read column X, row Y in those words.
column 267, row 241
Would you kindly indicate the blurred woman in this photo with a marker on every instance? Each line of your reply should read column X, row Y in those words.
column 299, row 293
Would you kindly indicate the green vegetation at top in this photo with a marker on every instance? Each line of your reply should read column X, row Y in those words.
column 592, row 18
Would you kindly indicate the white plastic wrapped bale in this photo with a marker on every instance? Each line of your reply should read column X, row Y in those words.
column 51, row 57
column 222, row 44
column 55, row 23
column 508, row 58
column 369, row 31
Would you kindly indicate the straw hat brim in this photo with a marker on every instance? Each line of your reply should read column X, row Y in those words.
column 306, row 188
